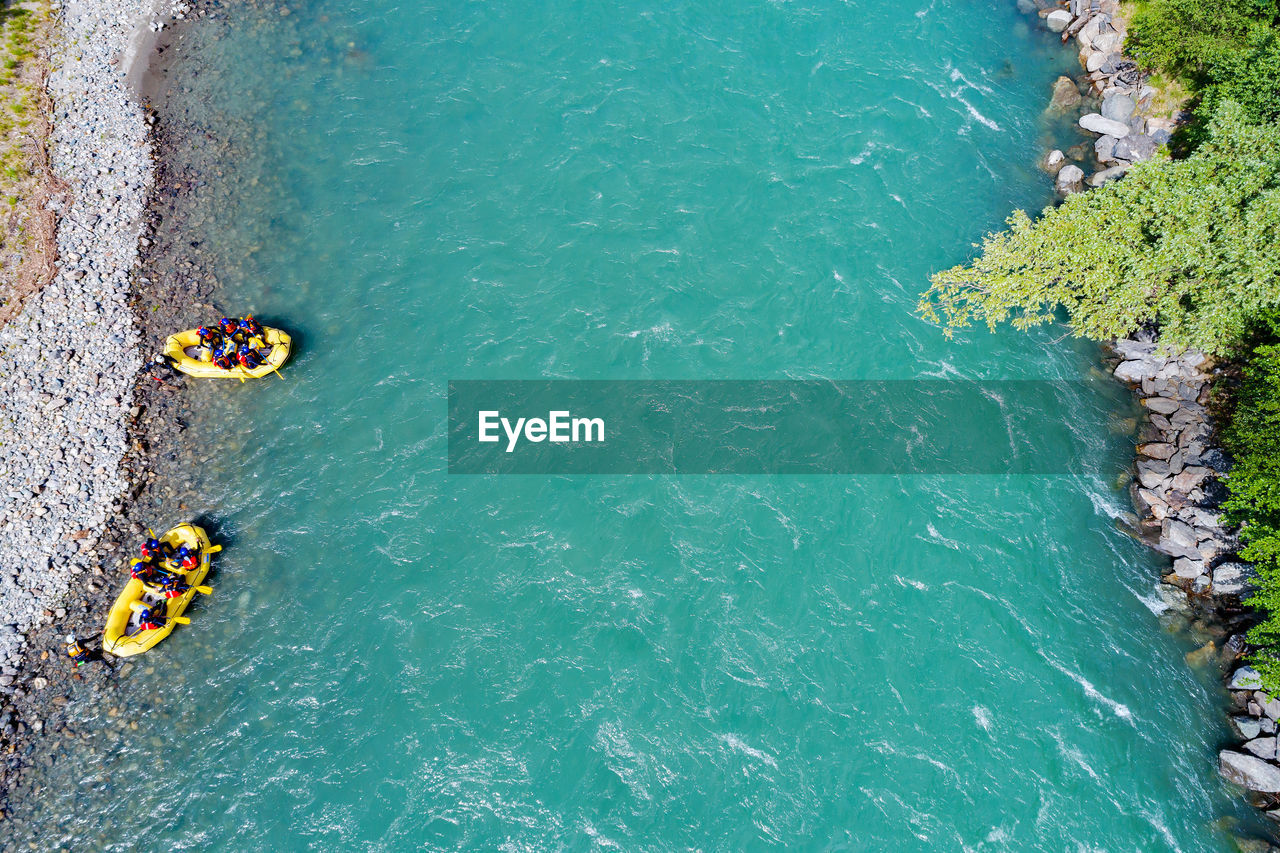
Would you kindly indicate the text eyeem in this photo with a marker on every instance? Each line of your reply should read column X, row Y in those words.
column 558, row 428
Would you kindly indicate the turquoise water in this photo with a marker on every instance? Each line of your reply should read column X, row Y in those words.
column 396, row 658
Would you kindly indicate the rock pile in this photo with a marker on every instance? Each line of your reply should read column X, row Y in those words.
column 1175, row 492
column 1119, row 98
column 1176, row 488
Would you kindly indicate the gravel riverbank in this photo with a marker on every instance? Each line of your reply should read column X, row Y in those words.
column 71, row 359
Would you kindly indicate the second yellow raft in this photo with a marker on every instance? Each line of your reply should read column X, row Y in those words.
column 122, row 636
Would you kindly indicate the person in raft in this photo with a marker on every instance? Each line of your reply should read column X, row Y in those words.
column 173, row 587
column 151, row 618
column 186, row 559
column 228, row 327
column 248, row 357
column 251, row 329
column 209, row 337
column 154, row 549
column 221, row 358
column 147, row 571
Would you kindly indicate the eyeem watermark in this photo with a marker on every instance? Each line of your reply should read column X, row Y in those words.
column 558, row 428
column 775, row 427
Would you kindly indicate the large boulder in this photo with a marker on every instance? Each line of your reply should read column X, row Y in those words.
column 1070, row 179
column 1245, row 678
column 1161, row 405
column 1190, row 478
column 1107, row 42
column 1104, row 148
column 1118, row 107
column 1130, row 349
column 1177, row 539
column 1263, row 747
column 1135, row 148
column 1245, row 726
column 1234, row 579
column 1095, row 123
column 1134, row 370
column 1188, row 569
column 1249, row 771
column 1057, row 20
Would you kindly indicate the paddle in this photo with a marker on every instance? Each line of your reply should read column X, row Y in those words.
column 181, row 620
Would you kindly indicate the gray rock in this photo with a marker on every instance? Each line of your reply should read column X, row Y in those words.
column 1057, row 20
column 1188, row 569
column 1104, row 149
column 1118, row 107
column 1104, row 176
column 1245, row 678
column 1177, row 540
column 1133, row 371
column 1070, row 179
column 1161, row 405
column 1131, row 349
column 1234, row 579
column 1108, row 41
column 1249, row 771
column 1246, row 727
column 1096, row 123
column 1135, row 149
column 1190, row 478
column 1263, row 747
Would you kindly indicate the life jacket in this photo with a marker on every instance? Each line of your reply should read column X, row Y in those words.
column 222, row 361
column 150, row 626
column 176, row 592
column 150, row 621
column 249, row 359
column 190, row 561
column 143, row 570
column 78, row 653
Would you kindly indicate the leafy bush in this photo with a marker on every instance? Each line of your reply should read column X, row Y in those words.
column 1250, row 76
column 1253, row 437
column 1187, row 36
column 1193, row 245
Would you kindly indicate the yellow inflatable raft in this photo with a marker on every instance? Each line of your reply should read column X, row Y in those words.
column 185, row 353
column 122, row 636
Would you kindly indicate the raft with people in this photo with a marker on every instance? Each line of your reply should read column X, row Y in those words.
column 161, row 585
column 237, row 348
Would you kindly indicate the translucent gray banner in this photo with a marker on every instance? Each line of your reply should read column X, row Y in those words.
column 763, row 427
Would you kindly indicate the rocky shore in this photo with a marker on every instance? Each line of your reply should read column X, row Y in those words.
column 1113, row 97
column 1176, row 489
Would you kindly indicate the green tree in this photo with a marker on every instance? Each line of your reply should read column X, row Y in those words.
column 1184, row 37
column 1253, row 437
column 1193, row 245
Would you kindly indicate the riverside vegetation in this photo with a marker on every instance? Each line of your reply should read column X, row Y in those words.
column 26, row 182
column 1186, row 246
